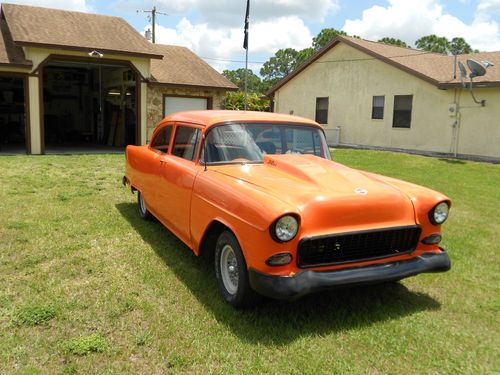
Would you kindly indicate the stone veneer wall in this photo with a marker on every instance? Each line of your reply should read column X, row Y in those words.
column 154, row 101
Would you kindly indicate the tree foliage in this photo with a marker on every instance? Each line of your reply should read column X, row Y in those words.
column 440, row 44
column 303, row 55
column 325, row 36
column 238, row 78
column 235, row 100
column 393, row 41
column 279, row 66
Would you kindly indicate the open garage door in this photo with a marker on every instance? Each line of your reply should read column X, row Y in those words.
column 89, row 107
column 13, row 126
column 174, row 104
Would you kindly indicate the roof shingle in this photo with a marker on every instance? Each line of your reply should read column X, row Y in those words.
column 436, row 68
column 180, row 66
column 10, row 54
column 45, row 27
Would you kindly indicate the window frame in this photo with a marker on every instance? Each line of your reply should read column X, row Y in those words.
column 402, row 112
column 316, row 117
column 157, row 133
column 199, row 140
column 378, row 107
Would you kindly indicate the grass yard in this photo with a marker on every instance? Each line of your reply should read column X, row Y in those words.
column 87, row 287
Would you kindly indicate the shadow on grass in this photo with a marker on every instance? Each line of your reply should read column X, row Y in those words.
column 276, row 322
column 453, row 161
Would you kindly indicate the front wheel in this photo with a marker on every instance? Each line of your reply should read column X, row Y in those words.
column 143, row 211
column 231, row 272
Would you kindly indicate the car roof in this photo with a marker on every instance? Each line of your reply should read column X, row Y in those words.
column 209, row 118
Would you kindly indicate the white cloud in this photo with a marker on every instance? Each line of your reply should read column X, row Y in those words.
column 79, row 5
column 231, row 13
column 409, row 20
column 265, row 37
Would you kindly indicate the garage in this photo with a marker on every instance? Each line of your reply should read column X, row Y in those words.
column 174, row 104
column 13, row 125
column 88, row 106
column 84, row 83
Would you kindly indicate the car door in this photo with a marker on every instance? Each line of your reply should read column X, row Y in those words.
column 178, row 172
column 160, row 148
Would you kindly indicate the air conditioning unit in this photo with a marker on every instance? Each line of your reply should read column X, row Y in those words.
column 452, row 109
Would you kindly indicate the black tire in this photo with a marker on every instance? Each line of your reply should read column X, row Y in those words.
column 143, row 211
column 234, row 288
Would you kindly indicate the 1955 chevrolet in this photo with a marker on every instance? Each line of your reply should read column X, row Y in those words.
column 260, row 193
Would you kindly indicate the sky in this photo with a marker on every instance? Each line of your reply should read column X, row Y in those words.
column 213, row 29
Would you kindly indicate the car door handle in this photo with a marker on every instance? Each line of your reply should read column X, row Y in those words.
column 163, row 162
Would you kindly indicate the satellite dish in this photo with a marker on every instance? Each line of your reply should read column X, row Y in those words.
column 463, row 71
column 476, row 68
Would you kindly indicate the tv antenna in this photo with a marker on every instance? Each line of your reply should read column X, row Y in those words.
column 152, row 18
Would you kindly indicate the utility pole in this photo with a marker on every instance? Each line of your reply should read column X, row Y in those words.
column 152, row 18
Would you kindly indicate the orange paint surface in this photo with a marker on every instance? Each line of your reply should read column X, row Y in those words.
column 187, row 196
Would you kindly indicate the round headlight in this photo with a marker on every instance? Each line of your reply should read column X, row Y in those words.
column 439, row 213
column 286, row 228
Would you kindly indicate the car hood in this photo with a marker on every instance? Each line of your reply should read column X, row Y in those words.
column 329, row 197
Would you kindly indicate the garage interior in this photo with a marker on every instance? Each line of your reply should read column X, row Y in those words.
column 12, row 115
column 89, row 107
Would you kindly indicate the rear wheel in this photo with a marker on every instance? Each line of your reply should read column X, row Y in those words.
column 143, row 211
column 231, row 272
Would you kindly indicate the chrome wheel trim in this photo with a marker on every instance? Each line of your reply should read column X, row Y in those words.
column 229, row 269
column 142, row 205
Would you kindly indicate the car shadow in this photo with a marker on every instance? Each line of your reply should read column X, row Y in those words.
column 276, row 322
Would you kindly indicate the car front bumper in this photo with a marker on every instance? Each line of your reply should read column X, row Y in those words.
column 308, row 281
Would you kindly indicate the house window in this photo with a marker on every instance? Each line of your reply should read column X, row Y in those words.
column 322, row 110
column 402, row 111
column 378, row 107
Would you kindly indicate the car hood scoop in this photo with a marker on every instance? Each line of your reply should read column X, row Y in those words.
column 327, row 192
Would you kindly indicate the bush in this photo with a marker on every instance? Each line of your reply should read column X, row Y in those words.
column 236, row 101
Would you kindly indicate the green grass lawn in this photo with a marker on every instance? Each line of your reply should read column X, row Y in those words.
column 86, row 286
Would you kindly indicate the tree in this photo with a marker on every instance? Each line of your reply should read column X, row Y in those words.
column 325, row 36
column 279, row 66
column 433, row 43
column 458, row 46
column 238, row 78
column 393, row 41
column 440, row 44
column 303, row 55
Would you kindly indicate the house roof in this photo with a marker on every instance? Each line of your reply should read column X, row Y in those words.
column 180, row 66
column 434, row 68
column 60, row 29
column 11, row 54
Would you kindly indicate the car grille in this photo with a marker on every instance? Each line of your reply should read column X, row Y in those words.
column 357, row 246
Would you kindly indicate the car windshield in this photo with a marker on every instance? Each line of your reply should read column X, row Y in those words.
column 249, row 142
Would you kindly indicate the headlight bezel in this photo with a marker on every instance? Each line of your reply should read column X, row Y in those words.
column 432, row 212
column 272, row 228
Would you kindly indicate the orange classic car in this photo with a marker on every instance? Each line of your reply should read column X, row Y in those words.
column 261, row 195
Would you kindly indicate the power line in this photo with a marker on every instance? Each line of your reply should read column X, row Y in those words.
column 228, row 60
column 322, row 62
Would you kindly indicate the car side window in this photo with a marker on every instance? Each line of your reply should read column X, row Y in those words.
column 186, row 142
column 161, row 141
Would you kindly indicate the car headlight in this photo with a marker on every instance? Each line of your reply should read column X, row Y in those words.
column 285, row 228
column 439, row 213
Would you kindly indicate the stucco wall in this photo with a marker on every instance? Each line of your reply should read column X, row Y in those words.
column 154, row 107
column 350, row 78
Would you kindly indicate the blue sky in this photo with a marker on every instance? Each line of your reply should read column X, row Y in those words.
column 214, row 29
